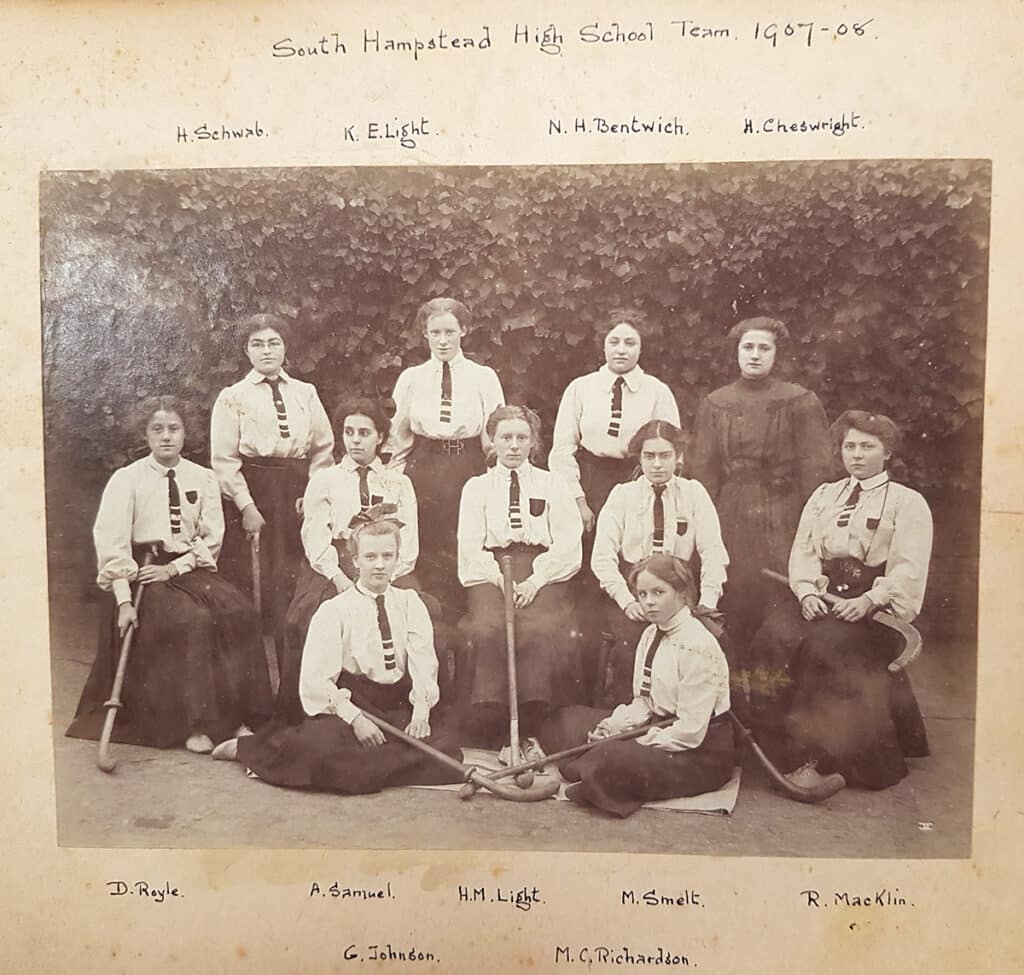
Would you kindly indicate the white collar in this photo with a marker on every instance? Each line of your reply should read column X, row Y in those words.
column 632, row 378
column 677, row 621
column 366, row 592
column 256, row 377
column 348, row 464
column 870, row 483
column 505, row 473
column 437, row 364
column 155, row 465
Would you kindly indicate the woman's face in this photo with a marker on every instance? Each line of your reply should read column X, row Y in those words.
column 444, row 336
column 659, row 601
column 165, row 436
column 864, row 454
column 512, row 442
column 361, row 439
column 622, row 348
column 266, row 350
column 376, row 560
column 658, row 460
column 756, row 353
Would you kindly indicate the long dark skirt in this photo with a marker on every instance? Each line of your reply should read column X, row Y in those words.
column 438, row 470
column 598, row 475
column 275, row 484
column 311, row 591
column 826, row 686
column 547, row 654
column 620, row 776
column 323, row 752
column 196, row 666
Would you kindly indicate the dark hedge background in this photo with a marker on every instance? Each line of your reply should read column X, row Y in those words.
column 879, row 268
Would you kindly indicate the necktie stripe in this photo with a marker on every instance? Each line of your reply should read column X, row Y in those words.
column 174, row 503
column 282, row 413
column 364, row 487
column 615, row 426
column 446, row 392
column 387, row 641
column 645, row 686
column 515, row 513
column 848, row 508
column 658, row 543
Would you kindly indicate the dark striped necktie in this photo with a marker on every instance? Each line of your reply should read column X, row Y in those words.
column 174, row 501
column 282, row 413
column 515, row 511
column 446, row 392
column 659, row 518
column 645, row 686
column 386, row 639
column 851, row 503
column 364, row 487
column 616, row 421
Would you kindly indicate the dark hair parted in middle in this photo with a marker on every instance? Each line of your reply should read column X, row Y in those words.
column 516, row 413
column 248, row 326
column 372, row 409
column 442, row 306
column 670, row 569
column 143, row 412
column 761, row 324
column 629, row 316
column 877, row 424
column 656, row 429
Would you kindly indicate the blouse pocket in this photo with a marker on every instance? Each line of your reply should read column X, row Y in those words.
column 537, row 506
column 682, row 526
column 191, row 496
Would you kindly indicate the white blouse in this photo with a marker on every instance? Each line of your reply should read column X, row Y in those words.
column 476, row 394
column 244, row 423
column 625, row 529
column 135, row 507
column 344, row 636
column 332, row 499
column 549, row 516
column 689, row 679
column 585, row 413
column 890, row 524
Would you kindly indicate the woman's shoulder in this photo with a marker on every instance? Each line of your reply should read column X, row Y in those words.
column 908, row 496
column 196, row 470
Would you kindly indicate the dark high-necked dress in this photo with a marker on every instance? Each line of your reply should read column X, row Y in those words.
column 760, row 448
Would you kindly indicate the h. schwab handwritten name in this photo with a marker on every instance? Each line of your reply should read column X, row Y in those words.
column 843, row 898
column 221, row 133
column 522, row 898
column 348, row 893
column 652, row 898
column 634, row 125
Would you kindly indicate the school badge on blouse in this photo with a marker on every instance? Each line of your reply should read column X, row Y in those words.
column 191, row 496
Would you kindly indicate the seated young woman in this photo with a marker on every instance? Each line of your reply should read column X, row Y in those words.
column 530, row 514
column 659, row 513
column 679, row 673
column 866, row 540
column 197, row 672
column 369, row 647
column 336, row 500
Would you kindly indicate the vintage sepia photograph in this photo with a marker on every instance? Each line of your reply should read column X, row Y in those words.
column 606, row 508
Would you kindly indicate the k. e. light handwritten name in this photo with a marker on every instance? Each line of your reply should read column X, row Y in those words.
column 142, row 888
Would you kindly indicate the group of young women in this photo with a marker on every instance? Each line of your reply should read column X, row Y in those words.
column 372, row 564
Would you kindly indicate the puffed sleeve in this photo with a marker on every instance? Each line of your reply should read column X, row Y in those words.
column 704, row 460
column 700, row 680
column 805, row 576
column 322, row 662
column 205, row 546
column 638, row 711
column 408, row 514
column 476, row 565
column 491, row 397
column 112, row 535
column 565, row 438
column 401, row 439
column 815, row 457
column 709, row 545
column 902, row 587
column 665, row 405
column 604, row 560
column 225, row 457
column 421, row 658
column 565, row 556
column 317, row 533
column 321, row 449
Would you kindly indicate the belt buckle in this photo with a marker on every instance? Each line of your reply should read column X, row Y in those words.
column 451, row 447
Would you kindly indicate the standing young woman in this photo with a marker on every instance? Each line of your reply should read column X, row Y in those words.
column 197, row 672
column 438, row 436
column 597, row 417
column 268, row 433
column 659, row 513
column 867, row 540
column 679, row 672
column 336, row 501
column 760, row 447
column 519, row 510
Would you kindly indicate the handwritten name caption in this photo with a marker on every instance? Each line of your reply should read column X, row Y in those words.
column 336, row 890
column 590, row 955
column 388, row 952
column 142, row 888
column 523, row 898
column 883, row 897
column 655, row 898
column 601, row 125
column 221, row 132
column 837, row 125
